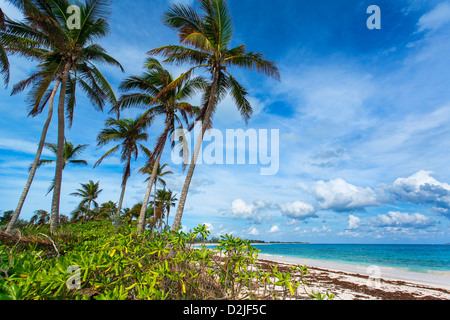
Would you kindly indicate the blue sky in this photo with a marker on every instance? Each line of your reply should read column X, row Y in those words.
column 363, row 118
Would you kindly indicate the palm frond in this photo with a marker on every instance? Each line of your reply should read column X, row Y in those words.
column 179, row 54
column 239, row 93
column 107, row 154
column 79, row 162
column 254, row 62
column 41, row 163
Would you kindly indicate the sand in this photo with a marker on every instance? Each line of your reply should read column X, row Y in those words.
column 355, row 282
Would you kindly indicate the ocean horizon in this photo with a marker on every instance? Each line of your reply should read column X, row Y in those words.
column 423, row 258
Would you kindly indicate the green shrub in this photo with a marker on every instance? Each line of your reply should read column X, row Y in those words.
column 124, row 265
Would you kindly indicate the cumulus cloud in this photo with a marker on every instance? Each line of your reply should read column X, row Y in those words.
column 422, row 188
column 340, row 195
column 353, row 222
column 209, row 226
column 297, row 210
column 253, row 231
column 274, row 229
column 402, row 220
column 251, row 211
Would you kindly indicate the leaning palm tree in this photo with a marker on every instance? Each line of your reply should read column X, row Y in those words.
column 209, row 36
column 128, row 133
column 70, row 154
column 150, row 91
column 89, row 192
column 66, row 56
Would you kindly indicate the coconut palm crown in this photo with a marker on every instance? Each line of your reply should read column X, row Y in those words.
column 205, row 39
column 64, row 44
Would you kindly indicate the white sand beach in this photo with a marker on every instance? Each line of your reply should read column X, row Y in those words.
column 350, row 282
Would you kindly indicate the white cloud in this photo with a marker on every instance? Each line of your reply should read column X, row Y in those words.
column 321, row 230
column 414, row 184
column 22, row 146
column 353, row 222
column 402, row 220
column 297, row 210
column 209, row 226
column 340, row 195
column 421, row 188
column 349, row 233
column 274, row 229
column 253, row 231
column 436, row 18
column 240, row 209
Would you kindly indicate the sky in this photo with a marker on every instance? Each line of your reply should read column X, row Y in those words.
column 362, row 114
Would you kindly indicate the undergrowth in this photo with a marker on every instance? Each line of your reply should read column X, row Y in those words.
column 92, row 261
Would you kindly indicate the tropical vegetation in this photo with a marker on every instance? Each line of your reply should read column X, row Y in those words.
column 89, row 261
column 104, row 251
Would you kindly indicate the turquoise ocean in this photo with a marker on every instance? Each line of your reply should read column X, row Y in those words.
column 416, row 258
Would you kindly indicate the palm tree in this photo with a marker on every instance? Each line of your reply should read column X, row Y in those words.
column 160, row 173
column 108, row 209
column 128, row 133
column 66, row 58
column 40, row 217
column 70, row 155
column 152, row 93
column 6, row 217
column 166, row 199
column 135, row 211
column 209, row 35
column 89, row 192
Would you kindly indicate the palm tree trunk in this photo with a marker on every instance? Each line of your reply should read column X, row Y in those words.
column 89, row 209
column 117, row 215
column 141, row 223
column 177, row 222
column 187, row 182
column 122, row 195
column 168, row 212
column 33, row 169
column 154, row 200
column 54, row 223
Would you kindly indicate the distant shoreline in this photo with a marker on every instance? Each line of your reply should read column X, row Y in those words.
column 259, row 242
